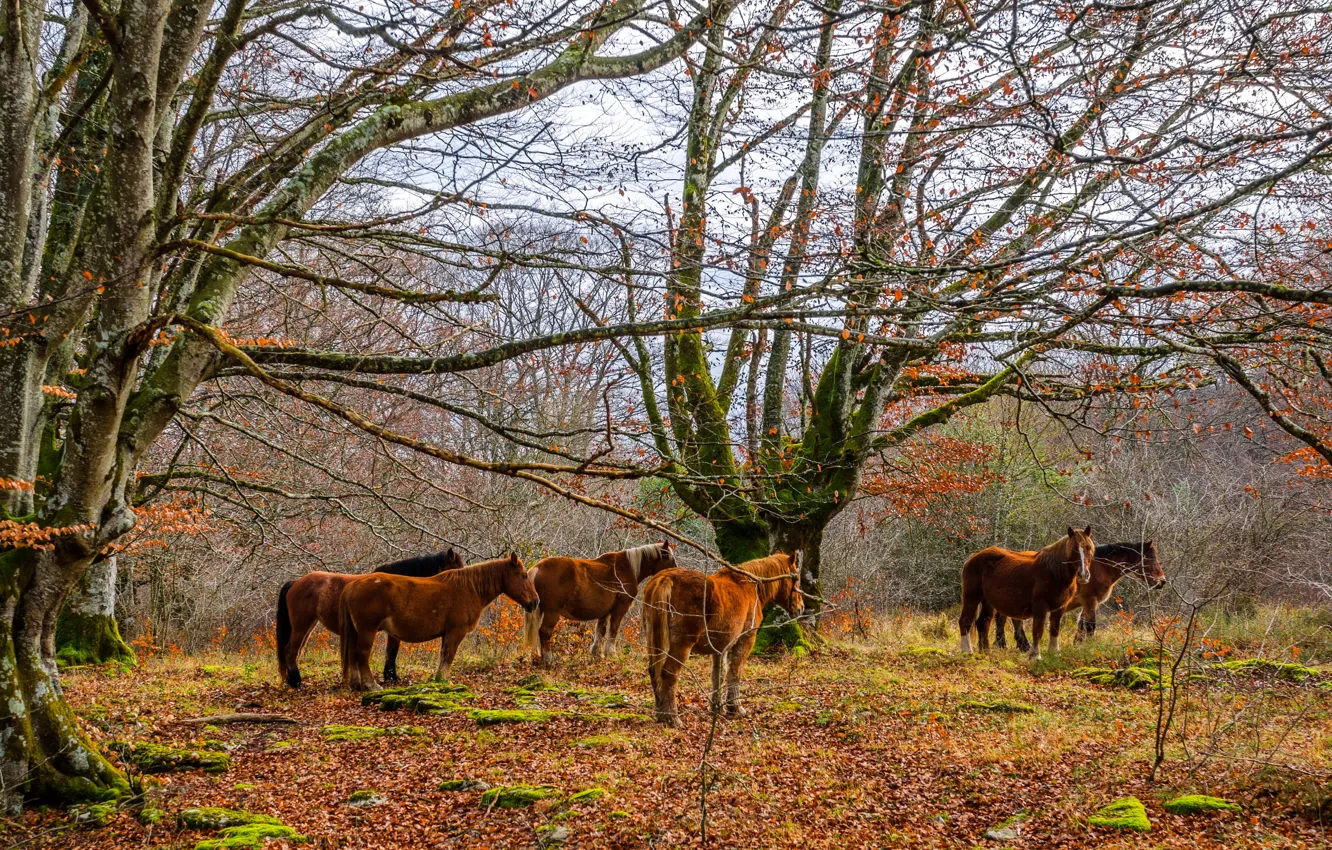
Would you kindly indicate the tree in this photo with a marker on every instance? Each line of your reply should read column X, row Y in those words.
column 142, row 187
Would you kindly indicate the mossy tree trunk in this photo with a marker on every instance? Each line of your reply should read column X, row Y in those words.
column 86, row 632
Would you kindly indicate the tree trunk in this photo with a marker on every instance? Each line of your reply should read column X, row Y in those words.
column 86, row 632
column 43, row 753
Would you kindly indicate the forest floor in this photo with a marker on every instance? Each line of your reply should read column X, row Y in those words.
column 894, row 741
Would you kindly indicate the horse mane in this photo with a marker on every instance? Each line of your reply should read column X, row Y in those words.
column 1119, row 552
column 773, row 566
column 635, row 556
column 1052, row 557
column 480, row 576
column 421, row 566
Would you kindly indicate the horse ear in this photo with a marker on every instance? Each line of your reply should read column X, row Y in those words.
column 1070, row 531
column 1088, row 531
column 1150, row 545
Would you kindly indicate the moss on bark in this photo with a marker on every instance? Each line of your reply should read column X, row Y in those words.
column 89, row 639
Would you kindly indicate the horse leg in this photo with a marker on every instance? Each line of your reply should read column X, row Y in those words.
column 970, row 602
column 667, row 709
column 983, row 626
column 1020, row 637
column 600, row 637
column 301, row 626
column 448, row 648
column 735, row 669
column 362, row 679
column 1086, row 624
column 546, row 633
column 1038, row 616
column 1000, row 624
column 613, row 630
column 1056, row 621
column 719, row 677
column 391, row 659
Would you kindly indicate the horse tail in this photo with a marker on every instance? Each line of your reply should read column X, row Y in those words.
column 532, row 629
column 283, row 629
column 657, row 622
column 349, row 639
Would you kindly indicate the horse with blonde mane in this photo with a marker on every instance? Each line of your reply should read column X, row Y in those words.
column 601, row 589
column 1024, row 585
column 415, row 610
column 686, row 611
column 314, row 597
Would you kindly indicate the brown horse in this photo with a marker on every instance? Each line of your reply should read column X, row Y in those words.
column 686, row 611
column 313, row 598
column 445, row 606
column 601, row 589
column 1024, row 584
column 1111, row 562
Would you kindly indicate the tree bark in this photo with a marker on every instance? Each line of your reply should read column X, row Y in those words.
column 86, row 632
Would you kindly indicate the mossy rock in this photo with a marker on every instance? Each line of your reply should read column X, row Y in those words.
column 215, row 817
column 160, row 758
column 251, row 837
column 337, row 732
column 243, row 786
column 779, row 632
column 366, row 797
column 606, row 700
column 1009, row 830
column 425, row 698
column 150, row 814
column 93, row 815
column 588, row 796
column 1192, row 804
column 786, row 706
column 496, row 716
column 553, row 834
column 600, row 742
column 517, row 796
column 1133, row 678
column 1275, row 669
column 1125, row 813
column 998, row 706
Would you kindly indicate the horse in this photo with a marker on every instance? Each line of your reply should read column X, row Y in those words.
column 1022, row 585
column 447, row 605
column 1111, row 562
column 686, row 611
column 313, row 598
column 601, row 589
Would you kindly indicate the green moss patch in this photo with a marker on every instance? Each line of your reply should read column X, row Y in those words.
column 93, row 815
column 923, row 652
column 588, row 796
column 602, row 742
column 162, row 758
column 1125, row 813
column 517, row 796
column 1272, row 669
column 456, row 785
column 151, row 814
column 1192, row 804
column 780, row 633
column 366, row 797
column 496, row 716
column 998, row 706
column 1133, row 678
column 338, row 732
column 425, row 698
column 251, row 837
column 215, row 817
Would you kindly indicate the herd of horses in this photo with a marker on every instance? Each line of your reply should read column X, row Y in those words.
column 684, row 611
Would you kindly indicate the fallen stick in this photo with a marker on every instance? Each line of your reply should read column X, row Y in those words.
column 241, row 718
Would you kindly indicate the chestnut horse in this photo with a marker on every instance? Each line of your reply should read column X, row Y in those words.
column 313, row 598
column 445, row 606
column 601, row 589
column 1111, row 562
column 1024, row 584
column 686, row 611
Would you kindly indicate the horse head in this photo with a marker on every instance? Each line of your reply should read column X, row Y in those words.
column 451, row 560
column 518, row 585
column 1081, row 540
column 1149, row 568
column 665, row 556
column 788, row 591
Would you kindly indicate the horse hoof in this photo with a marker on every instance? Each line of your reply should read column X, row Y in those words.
column 735, row 711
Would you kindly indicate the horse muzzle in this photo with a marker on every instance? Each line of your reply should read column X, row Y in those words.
column 529, row 607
